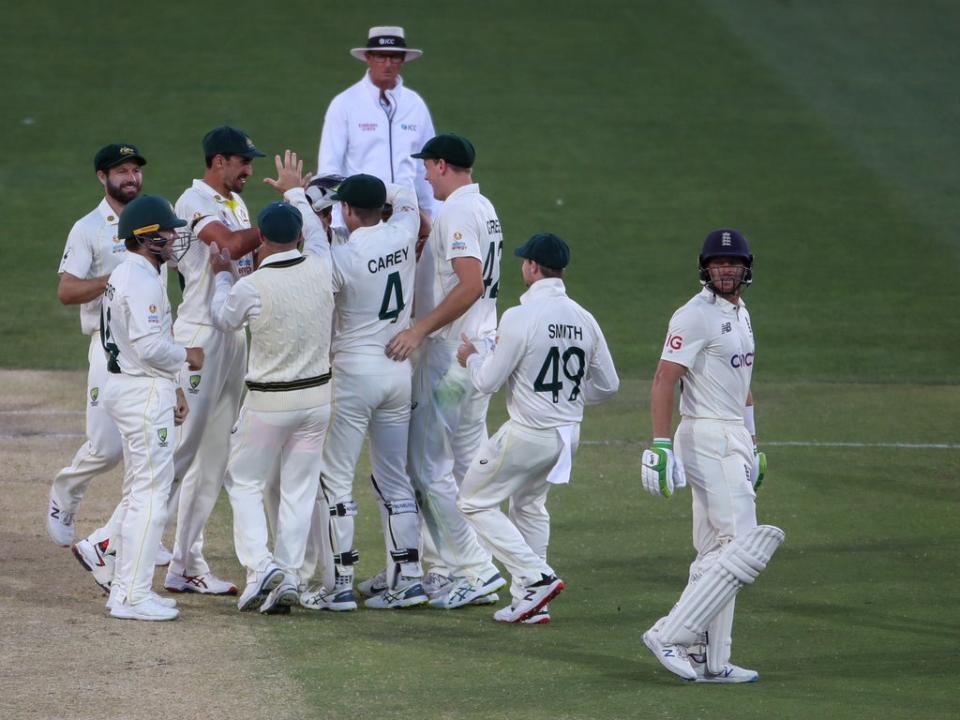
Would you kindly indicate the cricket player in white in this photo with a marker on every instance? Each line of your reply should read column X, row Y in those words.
column 92, row 252
column 141, row 398
column 216, row 214
column 373, row 276
column 710, row 348
column 554, row 359
column 288, row 305
column 448, row 419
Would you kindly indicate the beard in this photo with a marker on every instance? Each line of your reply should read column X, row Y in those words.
column 124, row 192
column 236, row 185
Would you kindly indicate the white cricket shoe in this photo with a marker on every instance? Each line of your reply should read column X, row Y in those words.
column 508, row 615
column 491, row 599
column 536, row 595
column 436, row 584
column 165, row 601
column 164, row 556
column 337, row 600
column 281, row 598
column 408, row 593
column 100, row 565
column 672, row 657
column 207, row 584
column 148, row 609
column 375, row 585
column 465, row 591
column 259, row 587
column 731, row 674
column 59, row 523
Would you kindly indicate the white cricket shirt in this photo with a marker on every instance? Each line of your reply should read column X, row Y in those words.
column 552, row 355
column 201, row 205
column 713, row 339
column 138, row 321
column 93, row 250
column 466, row 226
column 362, row 136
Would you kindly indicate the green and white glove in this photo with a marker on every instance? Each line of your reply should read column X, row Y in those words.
column 759, row 468
column 661, row 471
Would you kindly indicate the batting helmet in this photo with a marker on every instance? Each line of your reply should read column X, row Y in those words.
column 320, row 190
column 725, row 242
column 144, row 218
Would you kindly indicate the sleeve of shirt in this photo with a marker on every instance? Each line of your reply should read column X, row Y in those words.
column 77, row 254
column 600, row 380
column 406, row 214
column 458, row 236
column 333, row 139
column 424, row 191
column 489, row 371
column 314, row 235
column 198, row 211
column 233, row 304
column 152, row 345
column 686, row 337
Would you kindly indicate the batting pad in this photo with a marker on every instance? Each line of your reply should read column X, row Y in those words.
column 740, row 563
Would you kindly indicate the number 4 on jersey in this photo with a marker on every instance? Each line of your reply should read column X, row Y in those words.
column 393, row 293
column 551, row 367
column 491, row 269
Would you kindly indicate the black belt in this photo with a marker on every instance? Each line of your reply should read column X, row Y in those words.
column 290, row 384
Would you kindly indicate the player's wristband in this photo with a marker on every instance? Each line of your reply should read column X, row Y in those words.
column 748, row 420
column 665, row 443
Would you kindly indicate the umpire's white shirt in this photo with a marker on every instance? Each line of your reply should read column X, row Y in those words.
column 713, row 339
column 466, row 226
column 552, row 355
column 362, row 136
column 93, row 250
column 138, row 321
column 201, row 205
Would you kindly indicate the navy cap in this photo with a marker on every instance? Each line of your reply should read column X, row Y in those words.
column 362, row 191
column 116, row 153
column 725, row 242
column 453, row 148
column 545, row 249
column 147, row 214
column 280, row 223
column 226, row 140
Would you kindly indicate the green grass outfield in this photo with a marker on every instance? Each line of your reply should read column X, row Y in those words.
column 826, row 131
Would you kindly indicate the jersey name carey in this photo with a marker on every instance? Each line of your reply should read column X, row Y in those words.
column 375, row 265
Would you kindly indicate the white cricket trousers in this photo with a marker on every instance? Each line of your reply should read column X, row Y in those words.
column 103, row 449
column 443, row 442
column 142, row 408
column 513, row 465
column 718, row 458
column 213, row 395
column 372, row 394
column 268, row 444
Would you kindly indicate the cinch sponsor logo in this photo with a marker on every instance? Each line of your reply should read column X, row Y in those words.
column 740, row 360
column 368, row 127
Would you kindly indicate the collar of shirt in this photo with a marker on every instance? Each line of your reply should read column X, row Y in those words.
column 138, row 259
column 464, row 190
column 280, row 257
column 375, row 91
column 548, row 287
column 722, row 304
column 201, row 187
column 107, row 212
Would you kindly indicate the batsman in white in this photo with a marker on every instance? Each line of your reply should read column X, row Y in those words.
column 373, row 280
column 288, row 305
column 554, row 359
column 216, row 214
column 92, row 252
column 373, row 126
column 448, row 418
column 710, row 350
column 141, row 397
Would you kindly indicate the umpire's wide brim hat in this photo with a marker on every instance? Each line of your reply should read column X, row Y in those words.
column 386, row 38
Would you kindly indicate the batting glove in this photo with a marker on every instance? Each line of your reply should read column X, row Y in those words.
column 759, row 468
column 661, row 471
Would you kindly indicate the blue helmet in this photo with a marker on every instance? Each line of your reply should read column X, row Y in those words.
column 725, row 242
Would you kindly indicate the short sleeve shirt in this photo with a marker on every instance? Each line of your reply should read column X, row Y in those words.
column 713, row 339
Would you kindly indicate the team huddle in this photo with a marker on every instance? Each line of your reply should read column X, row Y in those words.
column 362, row 304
